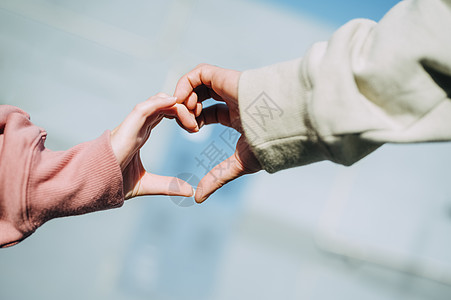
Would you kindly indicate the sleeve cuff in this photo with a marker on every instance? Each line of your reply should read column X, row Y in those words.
column 83, row 179
column 273, row 109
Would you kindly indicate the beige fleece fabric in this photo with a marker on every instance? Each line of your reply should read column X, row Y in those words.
column 371, row 83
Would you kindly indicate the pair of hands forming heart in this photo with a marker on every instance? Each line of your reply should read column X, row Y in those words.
column 203, row 82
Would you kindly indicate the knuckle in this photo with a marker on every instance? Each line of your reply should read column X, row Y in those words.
column 162, row 95
column 139, row 108
column 202, row 65
column 185, row 78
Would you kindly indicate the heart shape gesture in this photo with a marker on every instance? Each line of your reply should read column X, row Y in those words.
column 202, row 83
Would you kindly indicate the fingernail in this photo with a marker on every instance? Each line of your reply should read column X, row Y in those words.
column 194, row 125
column 199, row 191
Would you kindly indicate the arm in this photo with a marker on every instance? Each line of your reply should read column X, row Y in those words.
column 370, row 84
column 37, row 184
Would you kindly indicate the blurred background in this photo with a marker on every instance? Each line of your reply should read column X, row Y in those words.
column 380, row 229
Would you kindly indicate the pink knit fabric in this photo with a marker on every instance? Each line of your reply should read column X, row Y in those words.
column 37, row 184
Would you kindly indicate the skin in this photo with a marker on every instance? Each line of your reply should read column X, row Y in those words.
column 128, row 138
column 205, row 82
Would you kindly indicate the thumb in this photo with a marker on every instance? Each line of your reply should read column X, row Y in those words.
column 223, row 173
column 152, row 184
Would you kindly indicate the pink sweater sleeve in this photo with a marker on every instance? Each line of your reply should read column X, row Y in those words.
column 37, row 184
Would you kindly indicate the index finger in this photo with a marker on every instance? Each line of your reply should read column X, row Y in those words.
column 201, row 75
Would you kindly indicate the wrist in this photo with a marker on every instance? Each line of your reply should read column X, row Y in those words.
column 116, row 147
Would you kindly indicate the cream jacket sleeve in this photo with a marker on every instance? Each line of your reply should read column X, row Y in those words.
column 371, row 83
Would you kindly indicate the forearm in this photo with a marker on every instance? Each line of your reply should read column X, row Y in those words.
column 83, row 179
column 370, row 84
column 37, row 184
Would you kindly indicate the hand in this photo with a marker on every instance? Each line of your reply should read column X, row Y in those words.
column 205, row 82
column 132, row 134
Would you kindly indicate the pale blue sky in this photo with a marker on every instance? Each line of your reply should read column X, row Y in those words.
column 339, row 12
column 78, row 68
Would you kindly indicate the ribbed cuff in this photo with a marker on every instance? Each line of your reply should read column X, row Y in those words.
column 83, row 179
column 272, row 102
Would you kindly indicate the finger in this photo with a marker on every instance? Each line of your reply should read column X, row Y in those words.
column 218, row 113
column 223, row 173
column 162, row 95
column 199, row 95
column 154, row 104
column 204, row 92
column 192, row 101
column 152, row 184
column 201, row 75
column 141, row 116
column 185, row 117
column 198, row 109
